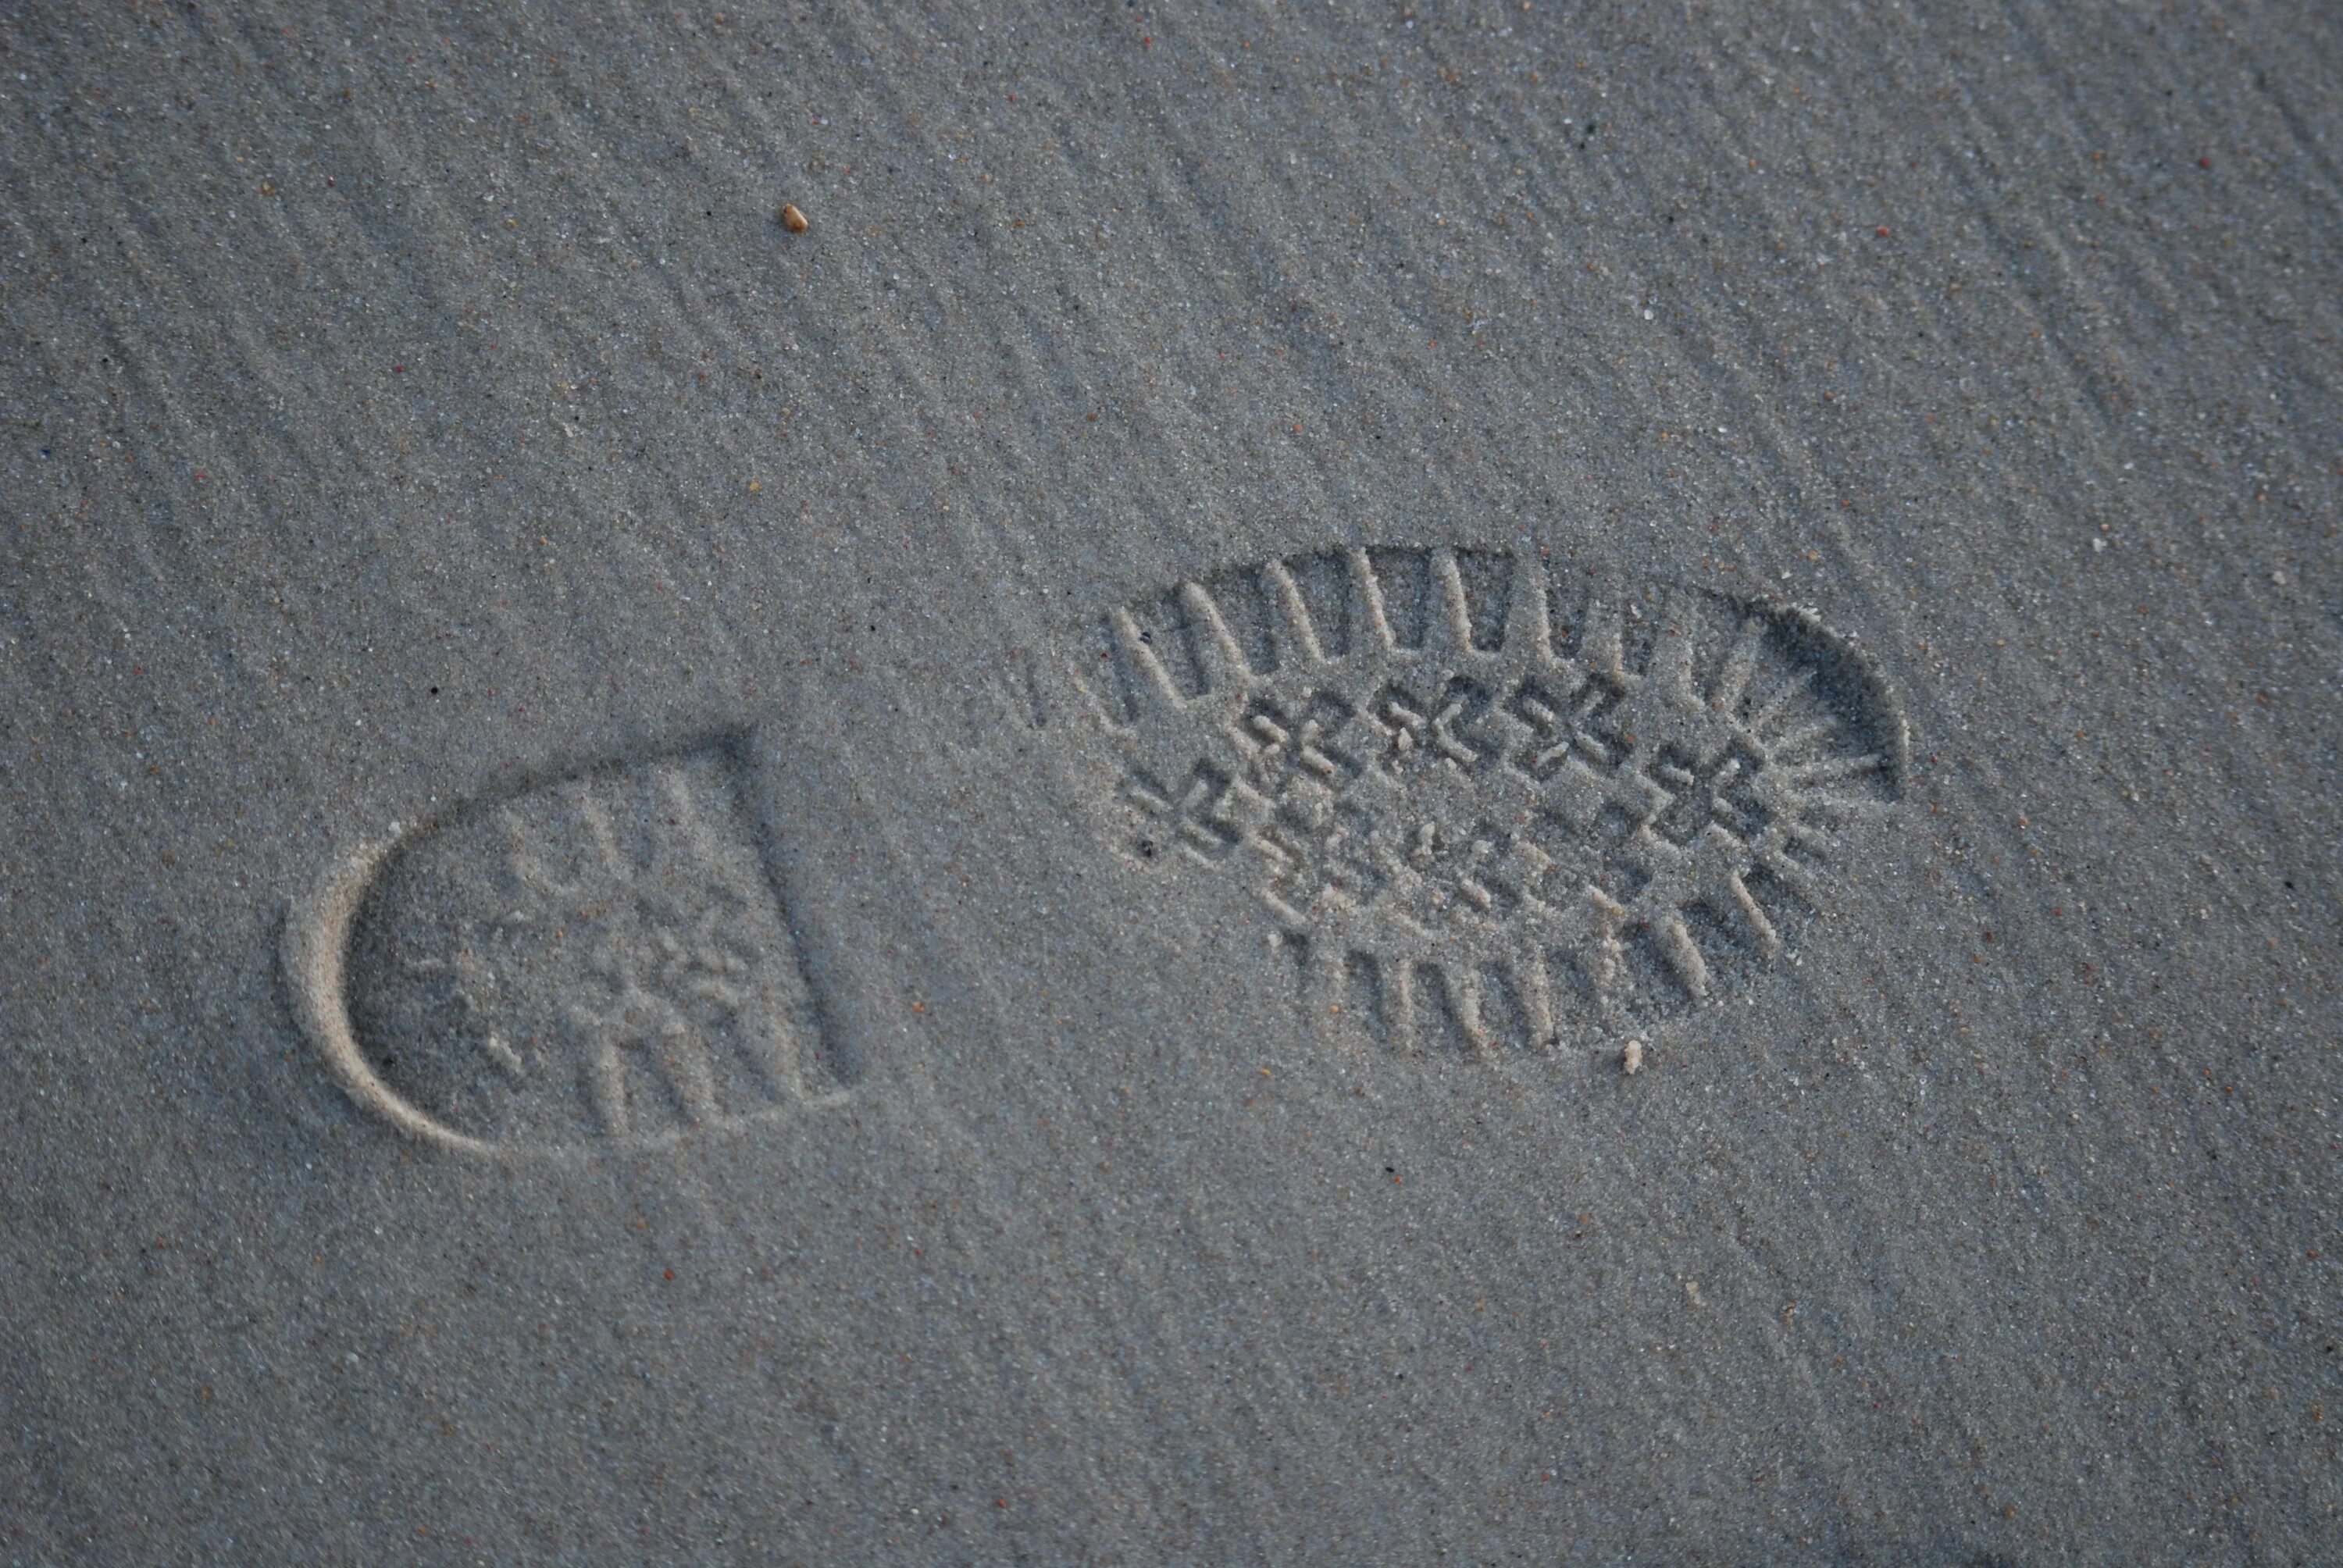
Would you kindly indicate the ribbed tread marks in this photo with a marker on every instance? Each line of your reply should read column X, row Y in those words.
column 599, row 960
column 1483, row 802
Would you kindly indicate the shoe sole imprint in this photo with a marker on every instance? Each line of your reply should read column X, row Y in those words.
column 602, row 959
column 1481, row 799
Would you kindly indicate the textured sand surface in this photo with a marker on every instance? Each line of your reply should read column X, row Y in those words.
column 628, row 930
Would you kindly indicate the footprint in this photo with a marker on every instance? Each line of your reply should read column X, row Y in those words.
column 599, row 959
column 1481, row 802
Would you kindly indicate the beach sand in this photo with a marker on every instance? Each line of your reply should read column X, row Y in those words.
column 609, row 952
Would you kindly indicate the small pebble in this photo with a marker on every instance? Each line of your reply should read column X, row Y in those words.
column 792, row 219
column 1631, row 1060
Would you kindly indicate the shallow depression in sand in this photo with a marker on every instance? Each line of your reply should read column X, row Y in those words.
column 1479, row 798
column 599, row 959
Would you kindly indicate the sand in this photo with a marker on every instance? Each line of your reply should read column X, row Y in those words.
column 642, row 922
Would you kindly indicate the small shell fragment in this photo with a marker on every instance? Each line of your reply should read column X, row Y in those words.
column 792, row 219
